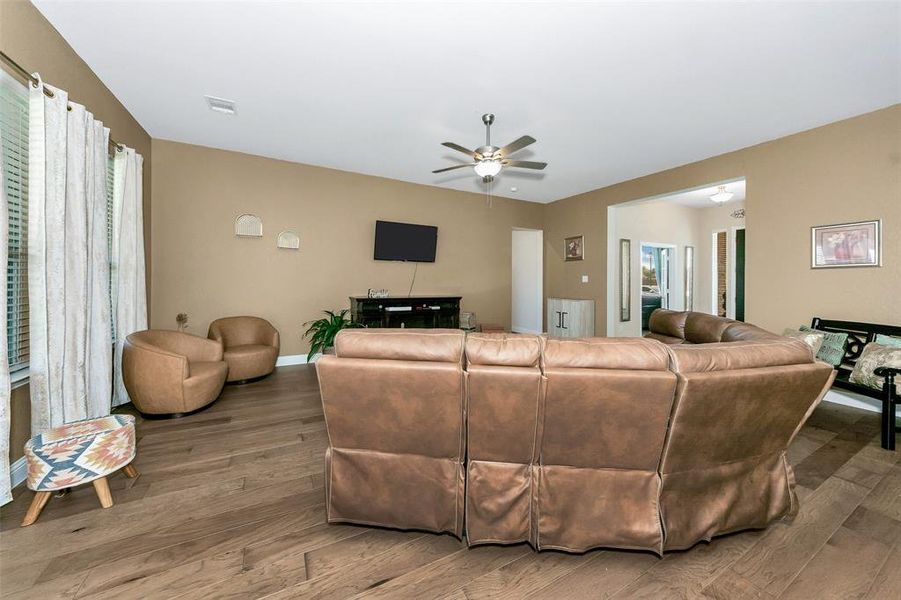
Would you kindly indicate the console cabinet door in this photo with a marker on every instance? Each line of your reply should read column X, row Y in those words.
column 554, row 317
column 570, row 318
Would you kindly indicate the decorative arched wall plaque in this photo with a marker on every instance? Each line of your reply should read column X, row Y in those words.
column 289, row 240
column 248, row 225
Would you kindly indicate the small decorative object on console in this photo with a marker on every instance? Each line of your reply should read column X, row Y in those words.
column 468, row 321
column 182, row 320
column 371, row 293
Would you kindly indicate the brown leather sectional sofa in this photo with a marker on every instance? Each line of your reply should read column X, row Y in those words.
column 568, row 444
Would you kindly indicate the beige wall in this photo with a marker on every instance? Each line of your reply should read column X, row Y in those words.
column 658, row 222
column 201, row 268
column 27, row 37
column 845, row 171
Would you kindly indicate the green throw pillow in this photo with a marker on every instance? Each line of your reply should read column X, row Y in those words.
column 833, row 349
column 888, row 340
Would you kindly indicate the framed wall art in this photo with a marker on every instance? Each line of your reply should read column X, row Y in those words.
column 846, row 245
column 574, row 248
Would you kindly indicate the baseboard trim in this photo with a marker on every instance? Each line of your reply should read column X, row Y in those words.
column 287, row 360
column 848, row 398
column 18, row 471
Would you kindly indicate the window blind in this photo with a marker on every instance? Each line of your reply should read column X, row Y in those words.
column 14, row 134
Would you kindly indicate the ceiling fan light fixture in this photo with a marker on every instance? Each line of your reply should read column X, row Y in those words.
column 722, row 195
column 488, row 168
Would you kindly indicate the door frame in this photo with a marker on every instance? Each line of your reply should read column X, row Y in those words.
column 730, row 269
column 540, row 298
column 730, row 264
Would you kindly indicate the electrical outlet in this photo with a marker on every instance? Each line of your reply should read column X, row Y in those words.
column 584, row 278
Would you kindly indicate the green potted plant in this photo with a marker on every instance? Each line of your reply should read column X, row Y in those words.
column 322, row 332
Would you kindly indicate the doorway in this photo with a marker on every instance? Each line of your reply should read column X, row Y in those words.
column 527, row 293
column 657, row 265
column 728, row 254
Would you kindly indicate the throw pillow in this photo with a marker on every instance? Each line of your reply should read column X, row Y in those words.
column 873, row 356
column 888, row 340
column 833, row 349
column 814, row 339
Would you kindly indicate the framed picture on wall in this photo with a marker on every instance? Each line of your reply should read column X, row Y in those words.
column 574, row 248
column 846, row 245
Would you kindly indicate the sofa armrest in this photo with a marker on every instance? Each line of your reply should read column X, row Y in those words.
column 275, row 339
column 153, row 376
column 887, row 372
column 890, row 374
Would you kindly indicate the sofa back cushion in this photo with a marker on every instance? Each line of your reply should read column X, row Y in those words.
column 669, row 323
column 701, row 328
column 394, row 410
column 742, row 332
column 503, row 349
column 726, row 356
column 504, row 398
column 432, row 345
column 607, row 404
column 629, row 354
column 737, row 407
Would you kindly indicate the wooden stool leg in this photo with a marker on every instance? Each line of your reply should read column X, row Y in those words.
column 101, row 486
column 130, row 471
column 37, row 505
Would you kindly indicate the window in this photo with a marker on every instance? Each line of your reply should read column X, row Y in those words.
column 14, row 133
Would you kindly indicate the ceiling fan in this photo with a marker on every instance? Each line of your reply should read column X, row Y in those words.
column 489, row 160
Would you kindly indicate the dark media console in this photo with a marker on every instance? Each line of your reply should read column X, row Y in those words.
column 418, row 311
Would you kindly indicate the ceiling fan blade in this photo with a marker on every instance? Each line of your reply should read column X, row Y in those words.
column 516, row 145
column 525, row 164
column 451, row 168
column 460, row 148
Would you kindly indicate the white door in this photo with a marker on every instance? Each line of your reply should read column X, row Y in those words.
column 527, row 281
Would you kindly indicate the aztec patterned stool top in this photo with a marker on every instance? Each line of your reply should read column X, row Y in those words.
column 76, row 453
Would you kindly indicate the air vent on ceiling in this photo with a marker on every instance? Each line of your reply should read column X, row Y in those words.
column 221, row 105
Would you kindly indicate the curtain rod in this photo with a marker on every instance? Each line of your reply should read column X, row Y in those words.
column 20, row 70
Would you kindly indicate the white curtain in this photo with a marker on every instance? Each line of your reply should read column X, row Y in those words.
column 5, row 495
column 129, row 286
column 70, row 366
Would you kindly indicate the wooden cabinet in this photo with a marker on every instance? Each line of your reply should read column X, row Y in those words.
column 567, row 317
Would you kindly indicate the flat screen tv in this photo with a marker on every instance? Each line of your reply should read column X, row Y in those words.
column 405, row 241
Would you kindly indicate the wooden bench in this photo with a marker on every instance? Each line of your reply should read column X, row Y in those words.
column 859, row 335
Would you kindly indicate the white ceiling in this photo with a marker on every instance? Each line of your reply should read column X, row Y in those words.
column 611, row 91
column 700, row 197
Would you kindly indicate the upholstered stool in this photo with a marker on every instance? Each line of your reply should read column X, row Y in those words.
column 79, row 452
